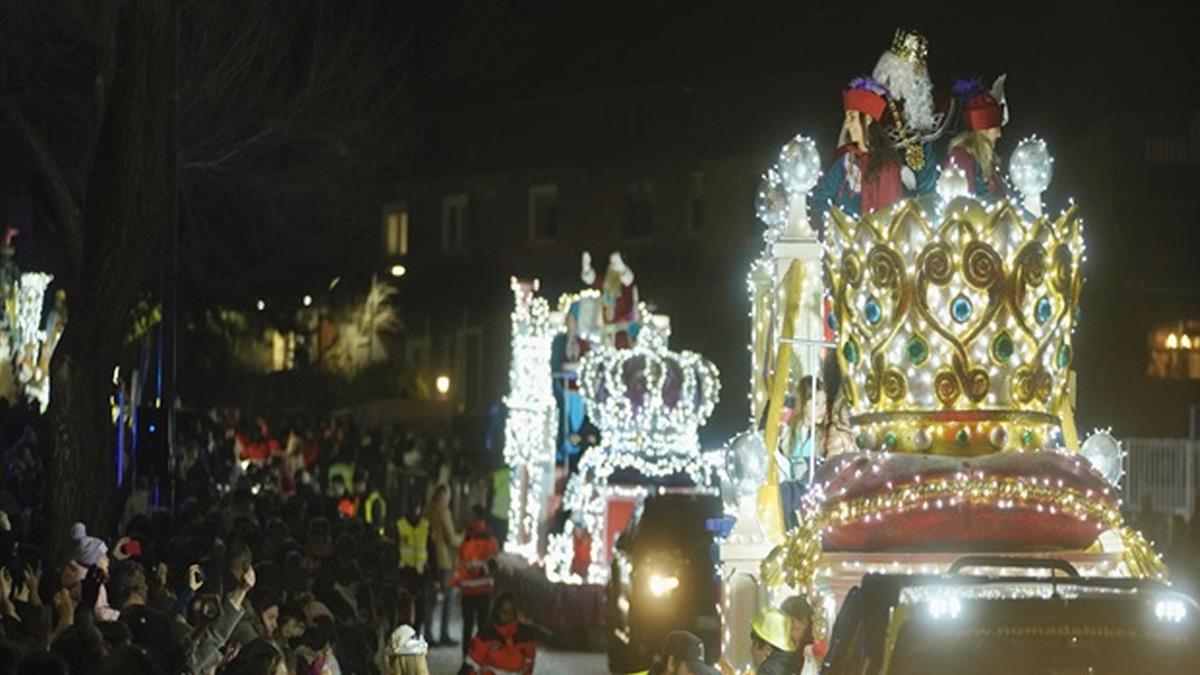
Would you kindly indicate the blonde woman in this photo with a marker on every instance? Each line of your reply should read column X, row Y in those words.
column 445, row 540
column 406, row 653
column 974, row 149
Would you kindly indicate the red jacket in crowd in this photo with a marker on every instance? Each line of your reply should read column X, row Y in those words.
column 475, row 555
column 501, row 649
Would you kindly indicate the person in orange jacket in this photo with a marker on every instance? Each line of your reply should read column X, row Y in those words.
column 476, row 557
column 507, row 647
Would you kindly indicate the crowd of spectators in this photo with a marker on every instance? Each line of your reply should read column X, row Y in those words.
column 282, row 552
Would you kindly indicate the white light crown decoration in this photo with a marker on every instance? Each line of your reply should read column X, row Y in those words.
column 649, row 403
column 649, row 399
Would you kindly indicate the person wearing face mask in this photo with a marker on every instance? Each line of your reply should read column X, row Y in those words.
column 865, row 174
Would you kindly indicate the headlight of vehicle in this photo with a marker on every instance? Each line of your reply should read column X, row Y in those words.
column 662, row 585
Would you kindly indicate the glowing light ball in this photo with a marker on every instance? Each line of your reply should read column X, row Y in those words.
column 746, row 462
column 799, row 164
column 1031, row 167
column 952, row 183
column 1106, row 455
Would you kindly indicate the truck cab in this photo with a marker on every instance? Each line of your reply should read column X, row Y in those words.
column 903, row 624
column 663, row 578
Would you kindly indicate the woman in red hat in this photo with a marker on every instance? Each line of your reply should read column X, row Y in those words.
column 865, row 175
column 974, row 149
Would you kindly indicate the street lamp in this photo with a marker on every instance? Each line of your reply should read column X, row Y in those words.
column 443, row 385
column 399, row 271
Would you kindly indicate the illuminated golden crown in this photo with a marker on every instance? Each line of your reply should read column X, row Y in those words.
column 910, row 46
column 956, row 337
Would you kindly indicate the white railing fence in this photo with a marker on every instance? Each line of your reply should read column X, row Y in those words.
column 1161, row 473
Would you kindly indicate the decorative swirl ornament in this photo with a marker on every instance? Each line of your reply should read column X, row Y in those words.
column 885, row 266
column 982, row 267
column 935, row 263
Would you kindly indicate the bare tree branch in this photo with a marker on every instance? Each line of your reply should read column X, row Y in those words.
column 67, row 222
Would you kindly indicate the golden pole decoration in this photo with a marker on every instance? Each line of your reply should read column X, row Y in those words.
column 770, row 506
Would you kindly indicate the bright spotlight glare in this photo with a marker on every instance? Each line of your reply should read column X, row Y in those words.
column 443, row 384
column 662, row 585
column 1170, row 610
column 308, row 301
column 399, row 270
column 261, row 305
column 945, row 606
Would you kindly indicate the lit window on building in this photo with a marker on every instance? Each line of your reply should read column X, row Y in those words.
column 1175, row 352
column 395, row 230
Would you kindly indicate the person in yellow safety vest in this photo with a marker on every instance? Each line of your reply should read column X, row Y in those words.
column 374, row 510
column 417, row 574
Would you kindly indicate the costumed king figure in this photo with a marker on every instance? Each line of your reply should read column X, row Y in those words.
column 914, row 121
column 974, row 149
column 865, row 174
column 619, row 299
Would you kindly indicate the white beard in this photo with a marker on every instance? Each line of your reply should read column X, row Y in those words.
column 911, row 84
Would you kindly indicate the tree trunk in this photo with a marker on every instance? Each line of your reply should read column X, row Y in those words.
column 128, row 192
column 80, row 469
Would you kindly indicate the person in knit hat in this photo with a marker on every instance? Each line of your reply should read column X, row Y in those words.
column 89, row 552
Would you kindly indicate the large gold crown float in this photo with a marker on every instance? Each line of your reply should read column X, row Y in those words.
column 955, row 329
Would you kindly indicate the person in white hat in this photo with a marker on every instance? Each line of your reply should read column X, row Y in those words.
column 406, row 653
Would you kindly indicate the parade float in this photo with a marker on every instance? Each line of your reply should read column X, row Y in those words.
column 600, row 359
column 30, row 328
column 951, row 314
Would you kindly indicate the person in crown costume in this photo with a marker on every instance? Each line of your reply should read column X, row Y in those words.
column 865, row 174
column 915, row 119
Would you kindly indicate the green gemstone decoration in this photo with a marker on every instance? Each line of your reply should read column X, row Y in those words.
column 1002, row 347
column 850, row 351
column 963, row 437
column 889, row 439
column 1064, row 356
column 861, row 441
column 918, row 350
column 1027, row 437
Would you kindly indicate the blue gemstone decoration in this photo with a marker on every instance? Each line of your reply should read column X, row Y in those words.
column 872, row 311
column 1044, row 310
column 961, row 309
column 832, row 322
